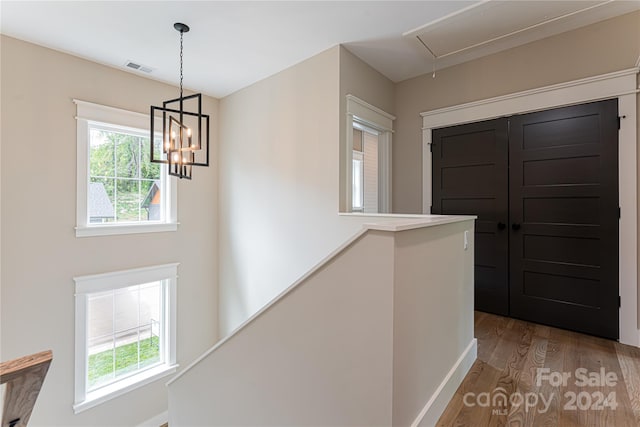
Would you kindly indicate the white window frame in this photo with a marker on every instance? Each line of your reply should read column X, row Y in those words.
column 359, row 156
column 360, row 112
column 87, row 285
column 88, row 112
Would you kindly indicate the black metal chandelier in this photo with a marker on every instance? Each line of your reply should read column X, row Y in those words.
column 185, row 130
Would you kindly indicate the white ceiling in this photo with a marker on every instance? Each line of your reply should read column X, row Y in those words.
column 233, row 44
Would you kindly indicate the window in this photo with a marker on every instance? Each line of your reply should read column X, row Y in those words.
column 368, row 159
column 119, row 189
column 357, row 203
column 125, row 332
column 365, row 193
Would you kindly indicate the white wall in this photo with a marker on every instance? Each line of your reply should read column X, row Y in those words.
column 279, row 159
column 367, row 339
column 321, row 356
column 40, row 253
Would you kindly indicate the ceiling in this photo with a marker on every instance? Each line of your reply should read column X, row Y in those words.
column 233, row 44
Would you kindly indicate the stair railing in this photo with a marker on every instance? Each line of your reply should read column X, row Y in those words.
column 23, row 378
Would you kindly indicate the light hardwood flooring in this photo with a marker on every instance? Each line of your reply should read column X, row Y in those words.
column 510, row 354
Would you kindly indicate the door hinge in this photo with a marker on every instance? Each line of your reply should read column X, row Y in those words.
column 431, row 147
column 619, row 301
column 619, row 212
column 619, row 122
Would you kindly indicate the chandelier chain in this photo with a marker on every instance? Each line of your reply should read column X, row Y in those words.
column 181, row 34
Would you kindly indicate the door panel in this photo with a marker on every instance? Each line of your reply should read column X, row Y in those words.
column 563, row 193
column 470, row 178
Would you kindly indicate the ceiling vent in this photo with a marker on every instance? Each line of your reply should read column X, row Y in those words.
column 138, row 67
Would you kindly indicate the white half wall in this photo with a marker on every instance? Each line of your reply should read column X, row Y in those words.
column 433, row 319
column 378, row 334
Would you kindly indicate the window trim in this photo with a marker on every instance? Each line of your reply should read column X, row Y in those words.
column 361, row 113
column 359, row 156
column 88, row 112
column 85, row 285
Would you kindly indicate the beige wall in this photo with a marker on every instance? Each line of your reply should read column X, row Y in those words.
column 279, row 177
column 604, row 47
column 432, row 317
column 278, row 192
column 320, row 356
column 359, row 79
column 352, row 344
column 40, row 253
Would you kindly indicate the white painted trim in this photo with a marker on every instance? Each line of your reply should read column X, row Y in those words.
column 359, row 111
column 589, row 89
column 124, row 278
column 628, row 225
column 384, row 172
column 89, row 113
column 156, row 421
column 116, row 229
column 425, row 221
column 439, row 400
column 105, row 114
column 86, row 285
column 368, row 112
column 133, row 382
column 426, row 172
column 621, row 85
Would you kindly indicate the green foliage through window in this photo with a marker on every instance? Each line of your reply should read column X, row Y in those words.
column 102, row 367
column 121, row 176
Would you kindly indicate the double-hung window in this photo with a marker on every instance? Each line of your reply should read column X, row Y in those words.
column 125, row 332
column 119, row 189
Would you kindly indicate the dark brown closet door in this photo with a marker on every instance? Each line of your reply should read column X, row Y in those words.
column 470, row 178
column 564, row 217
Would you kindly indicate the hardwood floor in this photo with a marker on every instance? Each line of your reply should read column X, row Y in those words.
column 517, row 379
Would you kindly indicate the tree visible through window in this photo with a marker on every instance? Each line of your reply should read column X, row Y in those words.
column 122, row 177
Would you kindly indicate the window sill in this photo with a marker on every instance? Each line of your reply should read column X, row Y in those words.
column 116, row 229
column 119, row 388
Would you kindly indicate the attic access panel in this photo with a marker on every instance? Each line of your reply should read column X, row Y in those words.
column 493, row 21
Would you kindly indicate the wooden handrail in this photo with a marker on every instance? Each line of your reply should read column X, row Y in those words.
column 24, row 377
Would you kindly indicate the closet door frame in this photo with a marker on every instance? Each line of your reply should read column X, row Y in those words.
column 621, row 85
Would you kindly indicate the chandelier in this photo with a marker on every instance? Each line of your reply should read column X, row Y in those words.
column 185, row 130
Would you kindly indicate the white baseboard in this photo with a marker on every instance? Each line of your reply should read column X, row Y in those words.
column 436, row 405
column 156, row 421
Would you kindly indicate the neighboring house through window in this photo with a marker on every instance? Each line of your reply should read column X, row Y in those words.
column 120, row 190
column 153, row 202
